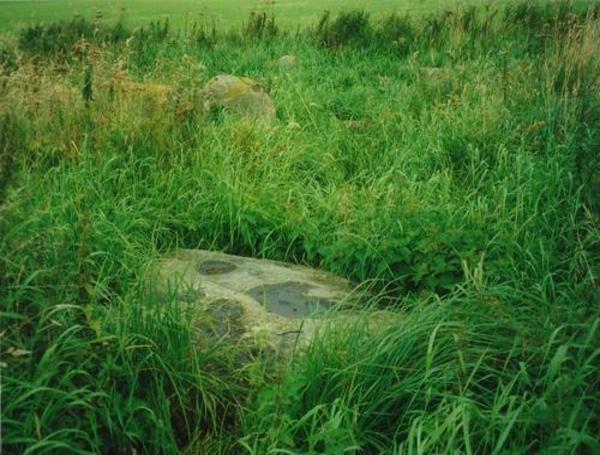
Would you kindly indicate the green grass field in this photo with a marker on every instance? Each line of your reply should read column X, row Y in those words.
column 225, row 13
column 446, row 162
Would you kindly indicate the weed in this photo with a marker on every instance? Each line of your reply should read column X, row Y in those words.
column 346, row 28
column 259, row 26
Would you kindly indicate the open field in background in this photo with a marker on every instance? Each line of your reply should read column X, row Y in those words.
column 448, row 163
column 225, row 13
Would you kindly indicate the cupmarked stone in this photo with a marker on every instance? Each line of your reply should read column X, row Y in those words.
column 258, row 304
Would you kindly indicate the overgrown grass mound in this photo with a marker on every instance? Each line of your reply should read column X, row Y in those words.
column 447, row 163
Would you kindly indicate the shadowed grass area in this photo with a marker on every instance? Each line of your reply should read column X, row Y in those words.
column 447, row 161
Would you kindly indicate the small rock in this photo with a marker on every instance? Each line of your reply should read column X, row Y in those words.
column 241, row 95
column 287, row 62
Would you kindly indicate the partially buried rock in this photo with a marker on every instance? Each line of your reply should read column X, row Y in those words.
column 241, row 95
column 287, row 62
column 264, row 305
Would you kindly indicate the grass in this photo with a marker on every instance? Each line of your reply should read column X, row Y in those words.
column 225, row 13
column 447, row 160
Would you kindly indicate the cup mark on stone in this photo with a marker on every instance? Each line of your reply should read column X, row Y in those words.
column 215, row 267
column 289, row 299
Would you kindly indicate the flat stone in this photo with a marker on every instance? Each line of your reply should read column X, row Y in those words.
column 260, row 305
column 257, row 303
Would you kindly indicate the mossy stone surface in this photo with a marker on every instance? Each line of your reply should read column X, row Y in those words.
column 240, row 95
column 259, row 303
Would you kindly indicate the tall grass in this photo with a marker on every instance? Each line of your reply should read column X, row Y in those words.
column 451, row 378
column 449, row 161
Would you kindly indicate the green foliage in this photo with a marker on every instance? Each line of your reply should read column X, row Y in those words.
column 259, row 26
column 347, row 28
column 11, row 146
column 396, row 32
column 8, row 60
column 437, row 383
column 66, row 38
column 101, row 380
column 203, row 36
column 446, row 162
column 87, row 90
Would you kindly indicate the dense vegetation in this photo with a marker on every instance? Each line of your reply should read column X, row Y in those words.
column 448, row 161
